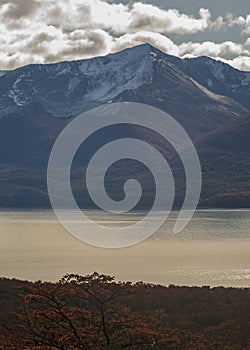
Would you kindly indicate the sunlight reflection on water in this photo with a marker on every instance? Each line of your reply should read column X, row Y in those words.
column 213, row 250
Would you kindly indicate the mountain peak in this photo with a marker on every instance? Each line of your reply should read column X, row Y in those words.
column 146, row 48
column 78, row 85
column 66, row 89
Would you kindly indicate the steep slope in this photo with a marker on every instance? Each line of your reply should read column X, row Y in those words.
column 193, row 105
column 219, row 78
column 37, row 101
column 28, row 134
column 68, row 88
column 224, row 155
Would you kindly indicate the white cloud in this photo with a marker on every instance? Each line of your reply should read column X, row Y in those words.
column 212, row 49
column 158, row 40
column 43, row 31
column 239, row 21
column 119, row 18
column 87, row 14
column 247, row 25
column 149, row 17
column 247, row 43
column 240, row 62
column 235, row 21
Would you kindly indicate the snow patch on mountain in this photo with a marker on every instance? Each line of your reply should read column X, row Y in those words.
column 245, row 79
column 217, row 68
column 210, row 83
column 219, row 78
column 209, row 93
column 127, row 70
column 68, row 88
column 73, row 84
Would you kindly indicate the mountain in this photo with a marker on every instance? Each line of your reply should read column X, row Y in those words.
column 219, row 78
column 224, row 155
column 37, row 101
column 68, row 88
column 2, row 72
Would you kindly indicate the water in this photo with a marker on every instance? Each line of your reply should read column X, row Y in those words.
column 214, row 249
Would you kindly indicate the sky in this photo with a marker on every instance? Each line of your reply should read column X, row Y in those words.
column 46, row 31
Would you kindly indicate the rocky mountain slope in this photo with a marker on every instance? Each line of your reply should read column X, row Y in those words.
column 207, row 97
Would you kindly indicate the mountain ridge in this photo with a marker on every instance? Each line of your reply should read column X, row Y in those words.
column 38, row 101
column 23, row 87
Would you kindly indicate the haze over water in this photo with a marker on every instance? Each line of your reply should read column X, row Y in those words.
column 214, row 249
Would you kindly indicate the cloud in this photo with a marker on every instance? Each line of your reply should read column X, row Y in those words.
column 240, row 62
column 45, row 31
column 120, row 19
column 16, row 9
column 190, row 49
column 212, row 49
column 158, row 40
column 247, row 25
column 148, row 17
column 239, row 21
column 82, row 43
column 235, row 21
column 247, row 43
column 90, row 14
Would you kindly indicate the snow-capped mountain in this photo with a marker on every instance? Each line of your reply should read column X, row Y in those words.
column 69, row 88
column 220, row 78
column 208, row 98
column 66, row 89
